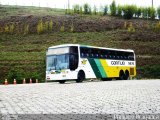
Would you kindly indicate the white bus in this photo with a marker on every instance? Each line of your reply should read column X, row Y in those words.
column 80, row 62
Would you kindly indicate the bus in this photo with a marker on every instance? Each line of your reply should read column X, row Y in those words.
column 79, row 62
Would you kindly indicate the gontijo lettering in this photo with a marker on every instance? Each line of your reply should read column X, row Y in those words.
column 117, row 63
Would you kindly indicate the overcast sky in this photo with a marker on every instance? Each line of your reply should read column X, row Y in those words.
column 63, row 3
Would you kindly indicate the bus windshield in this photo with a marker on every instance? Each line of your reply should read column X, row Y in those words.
column 57, row 62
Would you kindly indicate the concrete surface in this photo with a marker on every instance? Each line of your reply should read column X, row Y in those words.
column 80, row 99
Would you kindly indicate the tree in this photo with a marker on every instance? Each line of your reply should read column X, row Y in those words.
column 158, row 12
column 105, row 10
column 113, row 8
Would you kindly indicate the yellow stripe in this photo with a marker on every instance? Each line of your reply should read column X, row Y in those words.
column 113, row 71
column 104, row 65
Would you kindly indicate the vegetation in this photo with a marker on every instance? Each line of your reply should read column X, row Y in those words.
column 87, row 8
column 105, row 10
column 158, row 12
column 129, row 11
column 151, row 71
column 119, row 10
column 113, row 8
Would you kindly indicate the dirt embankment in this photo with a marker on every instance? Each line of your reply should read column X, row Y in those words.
column 79, row 23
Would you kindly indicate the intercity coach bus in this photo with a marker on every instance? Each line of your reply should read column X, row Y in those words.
column 80, row 62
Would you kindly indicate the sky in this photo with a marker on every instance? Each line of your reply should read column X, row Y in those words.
column 64, row 3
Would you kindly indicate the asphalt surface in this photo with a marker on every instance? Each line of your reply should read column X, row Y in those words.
column 87, row 100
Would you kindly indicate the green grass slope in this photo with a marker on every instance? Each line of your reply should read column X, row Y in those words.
column 23, row 56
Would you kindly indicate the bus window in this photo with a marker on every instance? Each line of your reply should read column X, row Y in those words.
column 73, row 61
column 82, row 52
column 131, row 56
column 74, row 49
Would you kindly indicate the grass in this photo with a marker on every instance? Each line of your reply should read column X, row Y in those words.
column 7, row 10
column 27, row 53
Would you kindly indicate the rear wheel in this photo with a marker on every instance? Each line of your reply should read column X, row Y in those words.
column 121, row 75
column 127, row 76
column 62, row 81
column 81, row 76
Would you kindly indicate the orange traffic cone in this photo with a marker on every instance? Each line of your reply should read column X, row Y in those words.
column 24, row 81
column 15, row 82
column 36, row 80
column 6, row 82
column 30, row 81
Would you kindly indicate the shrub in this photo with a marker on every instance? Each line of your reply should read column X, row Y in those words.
column 76, row 8
column 113, row 8
column 6, row 29
column 50, row 25
column 40, row 27
column 72, row 28
column 46, row 26
column 125, row 24
column 139, row 12
column 119, row 10
column 81, row 10
column 157, row 27
column 151, row 71
column 144, row 12
column 15, row 74
column 87, row 9
column 26, row 29
column 105, row 10
column 101, row 11
column 11, row 30
column 17, row 30
column 129, row 11
column 158, row 12
column 95, row 10
column 62, row 28
column 151, row 12
column 131, row 28
column 66, row 11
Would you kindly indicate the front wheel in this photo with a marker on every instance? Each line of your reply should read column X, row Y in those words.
column 80, row 77
column 62, row 81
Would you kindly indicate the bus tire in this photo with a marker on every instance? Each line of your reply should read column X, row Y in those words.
column 62, row 81
column 127, row 76
column 80, row 76
column 121, row 75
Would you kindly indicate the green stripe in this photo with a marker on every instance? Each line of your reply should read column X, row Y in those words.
column 94, row 67
column 100, row 67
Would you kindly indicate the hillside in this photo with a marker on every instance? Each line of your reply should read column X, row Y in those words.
column 23, row 55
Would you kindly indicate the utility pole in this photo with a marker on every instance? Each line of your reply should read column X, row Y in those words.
column 152, row 3
column 68, row 4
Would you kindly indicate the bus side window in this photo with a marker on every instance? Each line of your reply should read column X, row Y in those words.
column 120, row 54
column 82, row 54
column 131, row 56
column 125, row 56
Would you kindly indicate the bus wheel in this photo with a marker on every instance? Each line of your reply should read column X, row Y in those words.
column 127, row 77
column 62, row 81
column 121, row 75
column 81, row 76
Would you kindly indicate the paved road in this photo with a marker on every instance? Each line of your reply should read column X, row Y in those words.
column 109, row 97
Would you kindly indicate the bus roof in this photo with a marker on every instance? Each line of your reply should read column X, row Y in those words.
column 87, row 46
